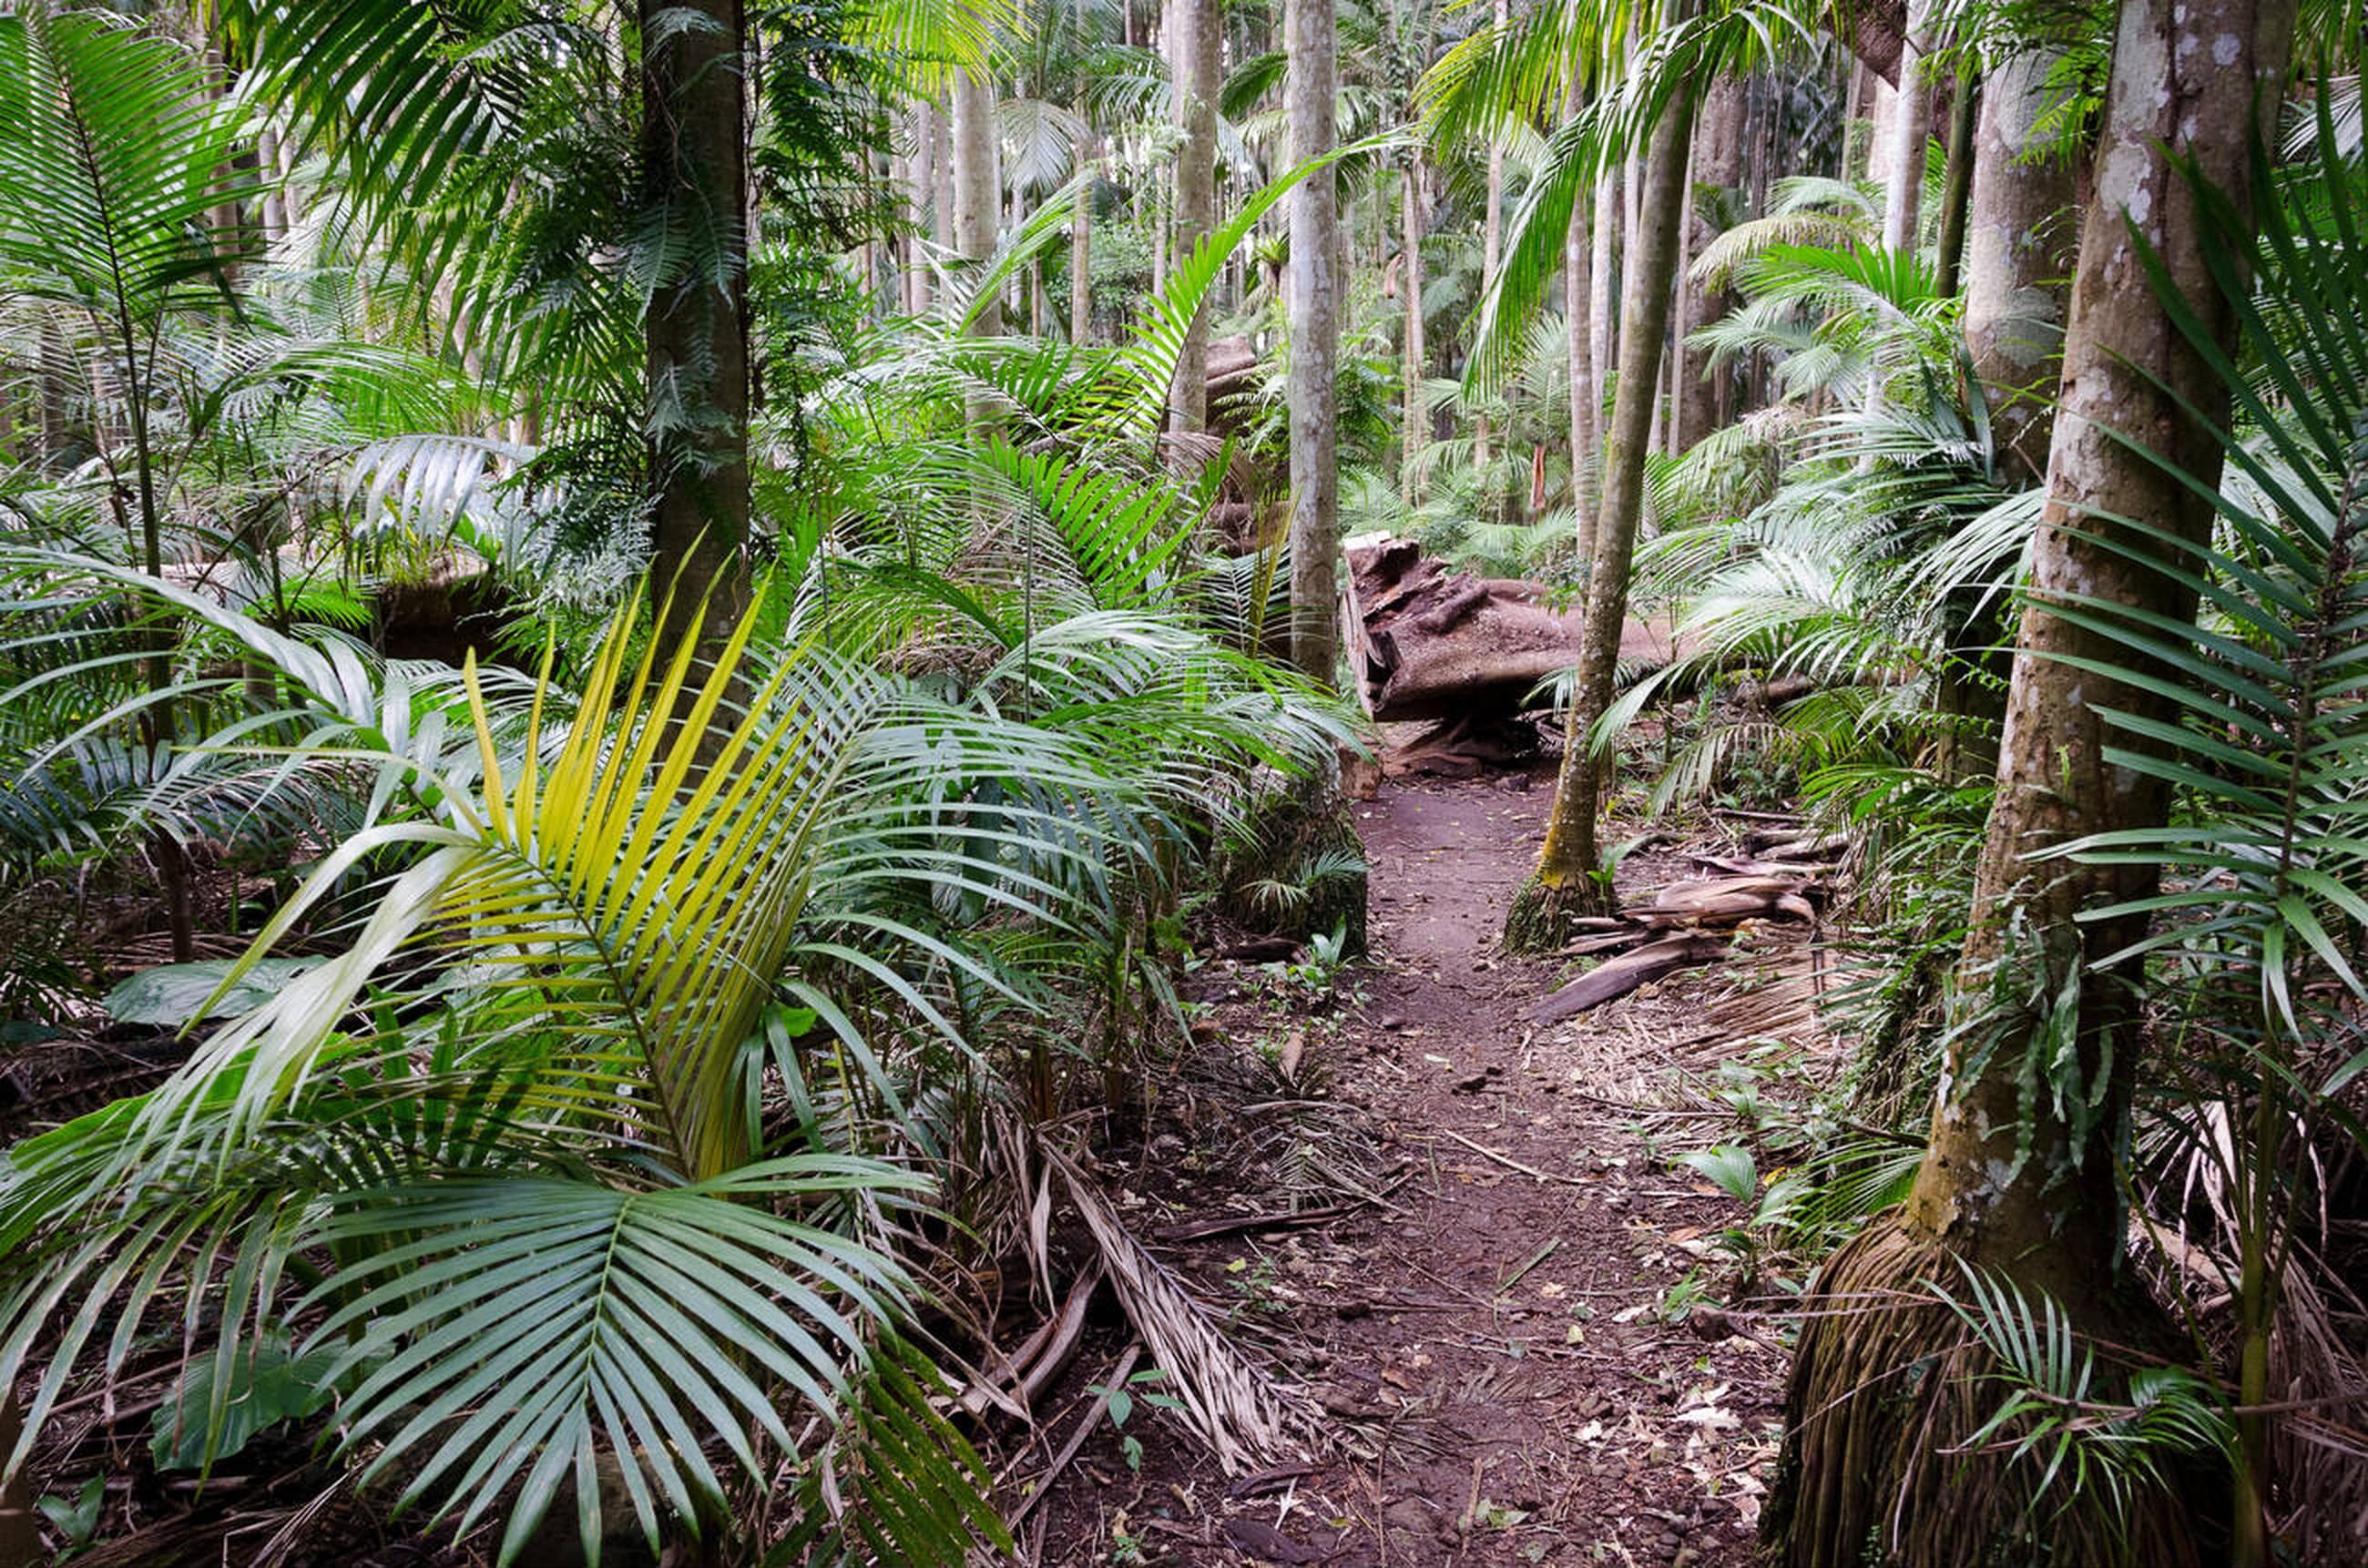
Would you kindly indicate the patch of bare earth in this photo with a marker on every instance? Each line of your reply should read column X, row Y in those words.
column 1492, row 1329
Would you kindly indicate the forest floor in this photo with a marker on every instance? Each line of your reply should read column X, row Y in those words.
column 1519, row 1354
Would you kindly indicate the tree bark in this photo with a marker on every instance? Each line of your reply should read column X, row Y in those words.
column 1417, row 429
column 1718, row 165
column 1578, row 290
column 1311, row 307
column 2019, row 252
column 1904, row 131
column 1601, row 343
column 1197, row 77
column 1565, row 884
column 941, row 187
column 1492, row 237
column 1081, row 249
column 694, row 163
column 1956, row 183
column 2031, row 1190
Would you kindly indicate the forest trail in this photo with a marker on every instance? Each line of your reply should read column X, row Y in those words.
column 1505, row 1351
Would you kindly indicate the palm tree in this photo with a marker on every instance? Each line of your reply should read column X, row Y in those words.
column 118, row 229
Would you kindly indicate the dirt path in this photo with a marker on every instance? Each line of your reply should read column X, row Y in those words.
column 1506, row 1356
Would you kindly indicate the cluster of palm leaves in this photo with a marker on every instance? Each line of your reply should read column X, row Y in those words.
column 587, row 1123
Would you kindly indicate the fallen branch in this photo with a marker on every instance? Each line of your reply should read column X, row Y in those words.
column 1616, row 977
column 1509, row 1162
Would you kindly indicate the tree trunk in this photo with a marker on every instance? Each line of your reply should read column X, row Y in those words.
column 941, row 187
column 1578, row 290
column 1492, row 237
column 694, row 163
column 1905, row 134
column 1567, row 884
column 1081, row 250
column 1197, row 35
column 1417, row 425
column 1312, row 305
column 1602, row 343
column 923, row 173
column 977, row 206
column 2029, row 1188
column 1718, row 165
column 1957, row 184
column 2018, row 243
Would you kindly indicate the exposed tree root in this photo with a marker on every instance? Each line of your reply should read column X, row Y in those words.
column 1888, row 1390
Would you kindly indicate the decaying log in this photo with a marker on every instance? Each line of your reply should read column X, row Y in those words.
column 1430, row 642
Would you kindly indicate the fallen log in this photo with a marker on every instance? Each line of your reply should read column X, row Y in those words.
column 1724, row 901
column 1615, row 978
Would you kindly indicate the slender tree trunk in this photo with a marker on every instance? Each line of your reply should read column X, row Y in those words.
column 1492, row 237
column 1717, row 165
column 1904, row 133
column 1601, row 345
column 1957, row 182
column 1578, row 290
column 1198, row 37
column 1417, row 425
column 924, row 176
column 977, row 202
column 695, row 162
column 2028, row 1187
column 2019, row 237
column 1313, row 305
column 1567, row 884
column 1081, row 252
column 941, row 188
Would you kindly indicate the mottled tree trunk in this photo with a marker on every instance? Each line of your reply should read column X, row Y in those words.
column 694, row 162
column 1904, row 131
column 1717, row 165
column 941, row 186
column 1417, row 427
column 2025, row 1187
column 2020, row 233
column 1578, row 292
column 1081, row 248
column 1197, row 40
column 1567, row 884
column 1602, row 342
column 1492, row 236
column 1312, row 305
column 2019, row 237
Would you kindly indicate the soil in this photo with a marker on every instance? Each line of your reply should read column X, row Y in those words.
column 1512, row 1357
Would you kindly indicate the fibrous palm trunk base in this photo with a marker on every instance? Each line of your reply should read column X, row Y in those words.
column 1544, row 914
column 1882, row 1468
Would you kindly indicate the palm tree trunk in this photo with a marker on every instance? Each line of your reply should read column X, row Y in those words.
column 1081, row 249
column 1957, row 182
column 976, row 198
column 1718, row 165
column 1417, row 427
column 1311, row 306
column 941, row 187
column 1567, row 884
column 1492, row 238
column 2030, row 1190
column 1602, row 343
column 695, row 158
column 1905, row 134
column 1578, row 291
column 1198, row 37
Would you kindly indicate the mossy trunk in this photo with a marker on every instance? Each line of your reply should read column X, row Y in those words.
column 2020, row 1175
column 1568, row 880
